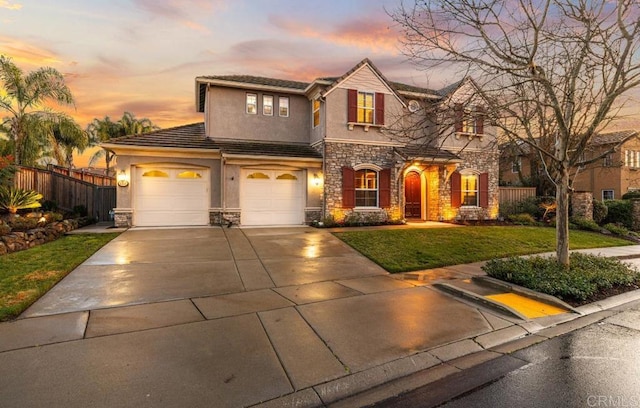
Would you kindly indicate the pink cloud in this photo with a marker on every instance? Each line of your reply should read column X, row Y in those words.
column 373, row 34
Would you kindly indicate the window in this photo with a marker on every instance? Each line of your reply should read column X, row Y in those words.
column 316, row 112
column 189, row 175
column 267, row 105
column 607, row 195
column 365, row 107
column 469, row 121
column 516, row 165
column 366, row 188
column 469, row 189
column 283, row 104
column 252, row 104
column 155, row 173
column 607, row 161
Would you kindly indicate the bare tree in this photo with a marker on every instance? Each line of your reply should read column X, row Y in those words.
column 551, row 70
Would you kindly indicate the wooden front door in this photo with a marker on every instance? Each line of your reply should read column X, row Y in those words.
column 412, row 196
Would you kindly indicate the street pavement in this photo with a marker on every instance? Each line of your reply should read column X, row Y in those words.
column 269, row 317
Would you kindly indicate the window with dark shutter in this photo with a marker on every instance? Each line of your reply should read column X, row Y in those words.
column 458, row 113
column 456, row 190
column 352, row 104
column 385, row 188
column 379, row 109
column 348, row 187
column 484, row 190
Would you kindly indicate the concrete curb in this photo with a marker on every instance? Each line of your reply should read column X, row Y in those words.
column 486, row 302
column 394, row 378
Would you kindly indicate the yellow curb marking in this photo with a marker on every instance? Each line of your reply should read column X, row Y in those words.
column 528, row 307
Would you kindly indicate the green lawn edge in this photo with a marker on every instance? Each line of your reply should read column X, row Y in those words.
column 27, row 275
column 405, row 250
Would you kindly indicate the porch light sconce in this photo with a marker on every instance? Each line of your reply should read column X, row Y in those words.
column 122, row 179
column 316, row 180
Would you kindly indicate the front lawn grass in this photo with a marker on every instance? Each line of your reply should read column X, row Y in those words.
column 403, row 250
column 27, row 275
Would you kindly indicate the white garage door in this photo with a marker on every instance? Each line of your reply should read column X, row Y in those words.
column 171, row 197
column 271, row 197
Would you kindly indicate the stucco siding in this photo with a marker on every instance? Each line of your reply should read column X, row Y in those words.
column 227, row 117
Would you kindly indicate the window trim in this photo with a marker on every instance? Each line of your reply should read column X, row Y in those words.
column 265, row 105
column 376, row 189
column 247, row 104
column 476, row 190
column 280, row 100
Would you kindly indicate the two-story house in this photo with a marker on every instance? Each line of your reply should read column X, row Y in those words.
column 615, row 172
column 280, row 152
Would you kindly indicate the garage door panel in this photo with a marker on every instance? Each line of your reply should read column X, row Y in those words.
column 276, row 200
column 164, row 197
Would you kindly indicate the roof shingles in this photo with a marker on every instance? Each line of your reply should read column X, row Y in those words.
column 193, row 137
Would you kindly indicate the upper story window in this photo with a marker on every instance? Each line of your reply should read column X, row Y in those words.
column 283, row 106
column 632, row 158
column 316, row 112
column 267, row 105
column 607, row 160
column 366, row 188
column 469, row 121
column 252, row 104
column 365, row 108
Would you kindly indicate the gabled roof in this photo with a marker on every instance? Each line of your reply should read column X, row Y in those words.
column 613, row 137
column 193, row 137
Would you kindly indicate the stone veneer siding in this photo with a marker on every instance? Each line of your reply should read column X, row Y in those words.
column 339, row 155
column 582, row 204
column 481, row 162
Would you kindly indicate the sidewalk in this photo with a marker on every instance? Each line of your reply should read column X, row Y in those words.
column 259, row 317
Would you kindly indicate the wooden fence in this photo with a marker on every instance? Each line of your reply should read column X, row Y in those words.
column 89, row 177
column 516, row 194
column 68, row 192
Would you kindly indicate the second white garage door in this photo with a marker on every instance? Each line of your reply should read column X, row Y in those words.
column 272, row 197
column 171, row 197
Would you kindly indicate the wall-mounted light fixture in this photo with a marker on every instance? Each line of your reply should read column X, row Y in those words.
column 122, row 179
column 316, row 180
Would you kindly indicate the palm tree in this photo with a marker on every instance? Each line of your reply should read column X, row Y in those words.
column 103, row 130
column 31, row 127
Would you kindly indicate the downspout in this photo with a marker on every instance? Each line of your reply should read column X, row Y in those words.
column 223, row 198
column 324, row 158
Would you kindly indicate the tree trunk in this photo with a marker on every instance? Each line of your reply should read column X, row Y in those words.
column 562, row 217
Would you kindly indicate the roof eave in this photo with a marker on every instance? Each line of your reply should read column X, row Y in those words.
column 246, row 85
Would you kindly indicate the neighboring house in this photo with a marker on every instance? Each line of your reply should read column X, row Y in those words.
column 279, row 152
column 607, row 178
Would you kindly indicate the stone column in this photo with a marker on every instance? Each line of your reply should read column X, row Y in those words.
column 582, row 204
column 635, row 214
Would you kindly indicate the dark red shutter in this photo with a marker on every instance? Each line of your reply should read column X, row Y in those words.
column 352, row 104
column 456, row 190
column 480, row 121
column 385, row 188
column 348, row 187
column 457, row 116
column 379, row 109
column 483, row 182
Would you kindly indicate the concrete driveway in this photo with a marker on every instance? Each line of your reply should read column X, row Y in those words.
column 229, row 317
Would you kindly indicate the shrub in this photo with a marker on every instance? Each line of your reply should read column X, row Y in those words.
column 49, row 205
column 585, row 224
column 600, row 211
column 80, row 211
column 18, row 223
column 586, row 275
column 631, row 195
column 4, row 228
column 619, row 212
column 522, row 219
column 14, row 199
column 616, row 229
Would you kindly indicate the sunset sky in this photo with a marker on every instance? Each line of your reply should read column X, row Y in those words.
column 142, row 56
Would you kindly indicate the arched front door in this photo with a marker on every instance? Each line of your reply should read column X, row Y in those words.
column 412, row 196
